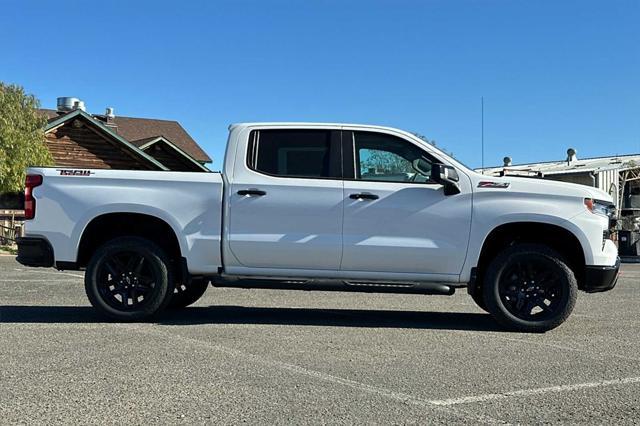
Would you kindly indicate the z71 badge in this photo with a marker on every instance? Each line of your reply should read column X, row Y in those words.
column 489, row 184
column 68, row 172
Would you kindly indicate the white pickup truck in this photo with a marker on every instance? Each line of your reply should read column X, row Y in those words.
column 323, row 207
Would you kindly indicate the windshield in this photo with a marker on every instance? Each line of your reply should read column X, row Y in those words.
column 439, row 148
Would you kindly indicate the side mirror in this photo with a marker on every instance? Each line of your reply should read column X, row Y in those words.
column 422, row 166
column 447, row 176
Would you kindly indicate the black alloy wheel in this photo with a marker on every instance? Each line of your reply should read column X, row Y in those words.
column 128, row 278
column 125, row 280
column 529, row 287
column 532, row 289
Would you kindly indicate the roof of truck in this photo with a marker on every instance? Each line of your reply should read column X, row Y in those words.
column 311, row 124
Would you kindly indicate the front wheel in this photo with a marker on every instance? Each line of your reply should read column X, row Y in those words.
column 128, row 279
column 528, row 287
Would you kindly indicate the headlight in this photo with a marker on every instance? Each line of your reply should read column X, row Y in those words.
column 603, row 208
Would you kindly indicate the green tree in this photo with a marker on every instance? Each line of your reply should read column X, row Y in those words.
column 21, row 137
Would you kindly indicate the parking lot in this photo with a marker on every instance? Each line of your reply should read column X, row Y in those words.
column 262, row 356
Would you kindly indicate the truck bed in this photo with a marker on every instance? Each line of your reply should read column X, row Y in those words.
column 191, row 203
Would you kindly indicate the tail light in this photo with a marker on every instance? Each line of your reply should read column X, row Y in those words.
column 29, row 202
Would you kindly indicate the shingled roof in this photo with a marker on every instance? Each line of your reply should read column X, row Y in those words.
column 140, row 130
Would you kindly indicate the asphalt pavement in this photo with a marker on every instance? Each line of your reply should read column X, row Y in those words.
column 283, row 357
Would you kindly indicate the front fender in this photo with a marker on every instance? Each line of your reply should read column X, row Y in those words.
column 481, row 231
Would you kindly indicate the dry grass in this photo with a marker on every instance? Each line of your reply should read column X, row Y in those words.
column 8, row 249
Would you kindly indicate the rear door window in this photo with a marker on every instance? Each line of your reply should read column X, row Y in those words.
column 295, row 153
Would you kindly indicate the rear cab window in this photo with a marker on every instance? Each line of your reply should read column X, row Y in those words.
column 295, row 153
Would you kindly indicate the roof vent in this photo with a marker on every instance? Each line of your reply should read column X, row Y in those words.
column 109, row 113
column 66, row 104
column 506, row 161
column 571, row 155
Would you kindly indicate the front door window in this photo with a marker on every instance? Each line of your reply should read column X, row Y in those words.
column 381, row 157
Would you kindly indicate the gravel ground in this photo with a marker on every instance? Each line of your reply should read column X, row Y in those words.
column 264, row 356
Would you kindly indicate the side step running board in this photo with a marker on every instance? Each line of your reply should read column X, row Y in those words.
column 379, row 284
column 333, row 285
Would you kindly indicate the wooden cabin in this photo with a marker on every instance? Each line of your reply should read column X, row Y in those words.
column 78, row 139
column 168, row 154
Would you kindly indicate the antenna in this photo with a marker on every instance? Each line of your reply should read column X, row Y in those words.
column 482, row 129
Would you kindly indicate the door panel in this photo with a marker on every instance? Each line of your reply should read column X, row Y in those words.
column 287, row 220
column 408, row 229
column 294, row 225
column 411, row 227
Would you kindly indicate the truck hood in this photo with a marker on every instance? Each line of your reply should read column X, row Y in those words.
column 541, row 186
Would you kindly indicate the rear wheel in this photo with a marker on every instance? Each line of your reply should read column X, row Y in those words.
column 529, row 288
column 128, row 279
column 187, row 294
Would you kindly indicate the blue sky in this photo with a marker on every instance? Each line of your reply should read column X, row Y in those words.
column 553, row 74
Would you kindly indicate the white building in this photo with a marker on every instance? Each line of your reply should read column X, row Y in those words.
column 618, row 176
